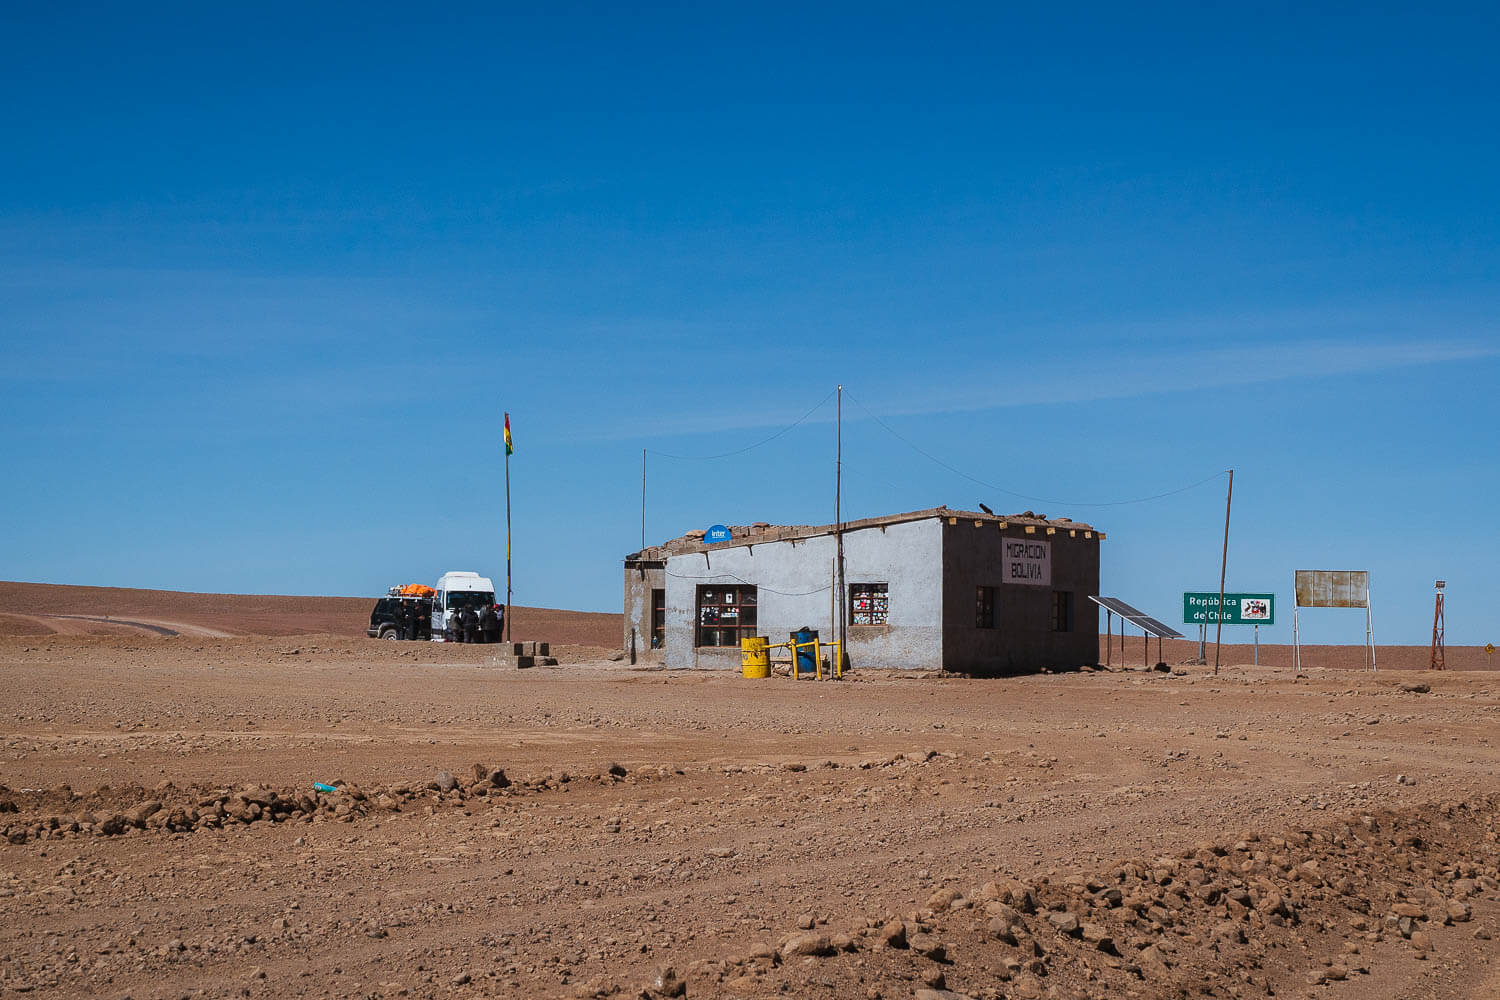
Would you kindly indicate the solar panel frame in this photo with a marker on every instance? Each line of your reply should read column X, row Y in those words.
column 1137, row 617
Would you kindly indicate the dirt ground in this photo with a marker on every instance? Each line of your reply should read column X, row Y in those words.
column 1088, row 834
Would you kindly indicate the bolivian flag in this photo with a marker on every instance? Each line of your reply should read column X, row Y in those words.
column 510, row 449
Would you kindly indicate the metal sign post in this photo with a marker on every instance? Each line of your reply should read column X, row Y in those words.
column 1203, row 607
column 1296, row 644
column 1321, row 588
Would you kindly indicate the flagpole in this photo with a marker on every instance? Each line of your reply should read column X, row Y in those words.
column 509, row 611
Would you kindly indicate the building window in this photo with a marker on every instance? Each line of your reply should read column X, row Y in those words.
column 984, row 608
column 725, row 615
column 1062, row 611
column 869, row 603
column 658, row 618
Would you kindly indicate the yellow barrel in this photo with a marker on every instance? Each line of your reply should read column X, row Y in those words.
column 755, row 656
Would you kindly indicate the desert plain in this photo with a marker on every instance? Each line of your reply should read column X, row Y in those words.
column 597, row 829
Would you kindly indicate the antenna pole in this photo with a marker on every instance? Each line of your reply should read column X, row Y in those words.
column 838, row 530
column 1223, row 569
column 643, row 499
column 1438, row 660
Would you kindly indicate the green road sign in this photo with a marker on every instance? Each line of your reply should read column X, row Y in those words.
column 1239, row 609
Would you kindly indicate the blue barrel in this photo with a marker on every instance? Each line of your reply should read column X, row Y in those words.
column 806, row 662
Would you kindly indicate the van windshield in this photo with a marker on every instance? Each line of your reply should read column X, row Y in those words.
column 476, row 599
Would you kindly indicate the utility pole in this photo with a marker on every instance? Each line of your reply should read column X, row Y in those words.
column 1223, row 570
column 643, row 499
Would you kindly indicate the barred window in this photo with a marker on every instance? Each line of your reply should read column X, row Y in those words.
column 984, row 608
column 1062, row 611
column 869, row 603
column 725, row 615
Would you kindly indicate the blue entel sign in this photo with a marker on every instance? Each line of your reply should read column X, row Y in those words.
column 718, row 533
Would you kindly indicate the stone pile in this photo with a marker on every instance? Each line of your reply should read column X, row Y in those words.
column 116, row 811
column 1253, row 915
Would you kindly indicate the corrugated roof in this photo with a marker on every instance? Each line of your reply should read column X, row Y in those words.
column 761, row 531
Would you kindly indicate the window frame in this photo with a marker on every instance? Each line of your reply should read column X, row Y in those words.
column 1060, row 619
column 984, row 607
column 873, row 592
column 745, row 615
column 658, row 617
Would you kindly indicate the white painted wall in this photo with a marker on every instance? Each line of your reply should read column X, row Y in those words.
column 793, row 579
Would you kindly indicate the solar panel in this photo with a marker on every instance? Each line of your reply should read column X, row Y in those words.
column 1157, row 628
column 1137, row 617
column 1118, row 606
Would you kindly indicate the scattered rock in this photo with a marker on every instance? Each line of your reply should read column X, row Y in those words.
column 808, row 944
column 927, row 946
column 138, row 815
column 1064, row 922
column 942, row 899
column 667, row 983
column 892, row 934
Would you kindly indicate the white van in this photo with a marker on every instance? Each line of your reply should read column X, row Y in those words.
column 456, row 591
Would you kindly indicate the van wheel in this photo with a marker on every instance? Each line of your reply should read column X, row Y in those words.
column 390, row 633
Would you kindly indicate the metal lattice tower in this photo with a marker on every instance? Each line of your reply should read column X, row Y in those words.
column 1437, row 660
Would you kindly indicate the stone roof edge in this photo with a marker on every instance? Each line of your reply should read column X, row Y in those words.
column 782, row 533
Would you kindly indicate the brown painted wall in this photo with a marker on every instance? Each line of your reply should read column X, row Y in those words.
column 1022, row 639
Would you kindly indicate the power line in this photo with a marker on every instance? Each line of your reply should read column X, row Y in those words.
column 757, row 586
column 1000, row 489
column 729, row 454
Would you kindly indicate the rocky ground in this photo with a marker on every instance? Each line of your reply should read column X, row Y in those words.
column 597, row 830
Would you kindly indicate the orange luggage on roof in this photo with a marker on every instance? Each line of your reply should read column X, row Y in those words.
column 417, row 590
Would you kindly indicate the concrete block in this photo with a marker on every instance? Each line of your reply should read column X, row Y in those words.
column 510, row 660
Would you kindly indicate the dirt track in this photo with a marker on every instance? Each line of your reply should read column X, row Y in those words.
column 45, row 609
column 713, row 844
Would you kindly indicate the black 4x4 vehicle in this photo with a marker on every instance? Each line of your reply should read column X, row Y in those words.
column 385, row 622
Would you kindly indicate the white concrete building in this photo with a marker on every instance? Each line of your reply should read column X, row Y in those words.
column 930, row 589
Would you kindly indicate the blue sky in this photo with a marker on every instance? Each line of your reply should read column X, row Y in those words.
column 269, row 278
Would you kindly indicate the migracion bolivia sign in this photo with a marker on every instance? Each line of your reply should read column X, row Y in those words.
column 718, row 533
column 1027, row 561
column 1239, row 609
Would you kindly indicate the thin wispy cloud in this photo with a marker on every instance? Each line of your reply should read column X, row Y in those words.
column 1091, row 376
